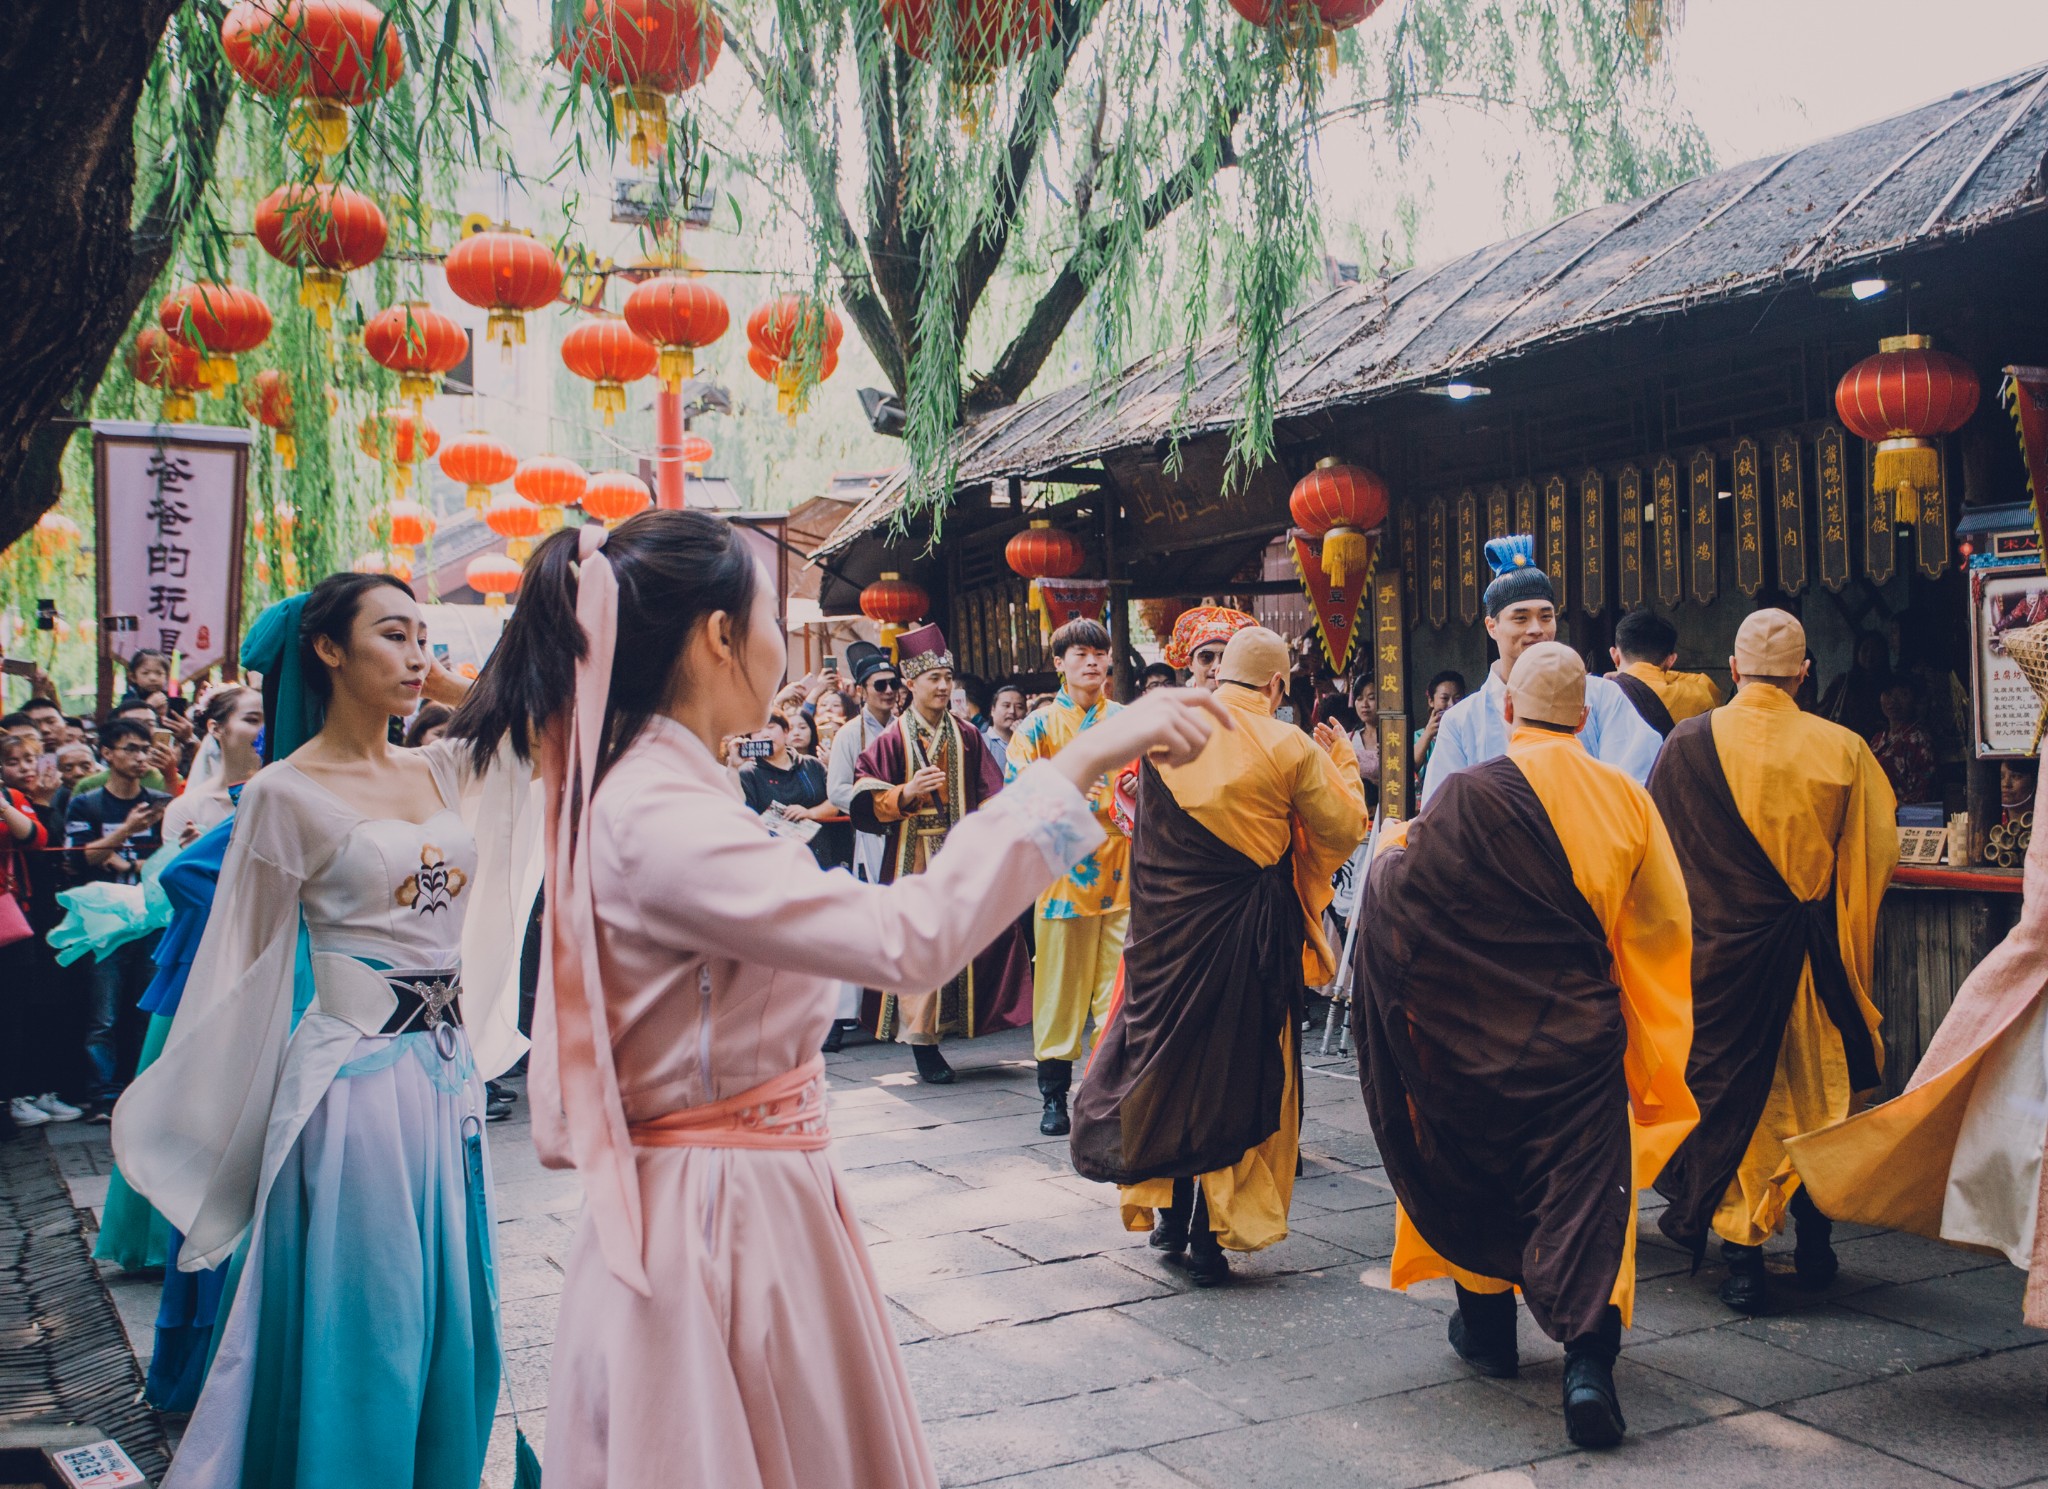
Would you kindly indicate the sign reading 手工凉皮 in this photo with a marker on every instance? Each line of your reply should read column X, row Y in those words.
column 169, row 502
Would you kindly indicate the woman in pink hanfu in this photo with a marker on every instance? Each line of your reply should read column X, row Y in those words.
column 720, row 1324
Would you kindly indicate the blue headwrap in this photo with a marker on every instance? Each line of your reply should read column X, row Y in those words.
column 272, row 648
column 1516, row 577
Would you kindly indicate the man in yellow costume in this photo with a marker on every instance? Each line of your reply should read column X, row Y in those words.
column 1787, row 830
column 1645, row 647
column 1192, row 1103
column 1522, row 1016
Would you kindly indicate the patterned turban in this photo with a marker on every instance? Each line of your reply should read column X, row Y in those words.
column 1200, row 626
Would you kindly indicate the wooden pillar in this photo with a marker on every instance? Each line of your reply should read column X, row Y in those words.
column 1390, row 673
column 1118, row 606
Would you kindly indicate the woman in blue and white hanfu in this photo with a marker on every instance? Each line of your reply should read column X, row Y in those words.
column 341, row 1162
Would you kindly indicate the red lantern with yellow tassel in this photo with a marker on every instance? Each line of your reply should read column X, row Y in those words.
column 270, row 401
column 418, row 343
column 172, row 368
column 479, row 463
column 516, row 520
column 645, row 50
column 401, row 436
column 1309, row 24
column 795, row 345
column 605, row 350
column 506, row 273
column 1901, row 401
column 987, row 35
column 552, row 484
column 1043, row 551
column 695, row 452
column 411, row 525
column 613, row 495
column 1340, row 504
column 220, row 322
column 679, row 315
column 324, row 231
column 493, row 576
column 334, row 54
column 894, row 604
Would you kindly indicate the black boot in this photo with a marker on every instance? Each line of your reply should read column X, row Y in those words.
column 1054, row 1077
column 1814, row 1263
column 932, row 1068
column 1206, row 1264
column 1592, row 1410
column 834, row 1037
column 1170, row 1230
column 1748, row 1288
column 1482, row 1331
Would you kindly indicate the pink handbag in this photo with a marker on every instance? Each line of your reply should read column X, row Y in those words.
column 13, row 924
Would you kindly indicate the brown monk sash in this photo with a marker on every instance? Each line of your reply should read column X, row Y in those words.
column 1189, row 1076
column 1751, row 939
column 1490, row 1042
column 1647, row 703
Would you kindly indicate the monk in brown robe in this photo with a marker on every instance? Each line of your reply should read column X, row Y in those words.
column 1644, row 651
column 1522, row 1016
column 1786, row 828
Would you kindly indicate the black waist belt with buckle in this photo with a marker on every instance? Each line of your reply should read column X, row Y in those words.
column 426, row 1000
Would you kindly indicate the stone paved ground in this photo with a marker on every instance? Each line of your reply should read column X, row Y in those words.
column 1050, row 1349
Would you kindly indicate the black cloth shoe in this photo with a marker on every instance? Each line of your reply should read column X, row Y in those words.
column 1054, row 1079
column 1592, row 1412
column 1170, row 1230
column 834, row 1037
column 1814, row 1263
column 932, row 1068
column 1482, row 1332
column 499, row 1091
column 1748, row 1288
column 1206, row 1264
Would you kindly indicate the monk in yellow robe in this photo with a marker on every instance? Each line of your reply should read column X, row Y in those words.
column 1645, row 647
column 1192, row 1103
column 1786, row 828
column 1522, row 1013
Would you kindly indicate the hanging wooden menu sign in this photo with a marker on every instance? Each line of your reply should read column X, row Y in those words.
column 1410, row 564
column 1930, row 533
column 1439, row 597
column 1880, row 547
column 1749, row 519
column 1497, row 515
column 1468, row 556
column 1390, row 676
column 1670, row 549
column 1525, row 509
column 1788, row 500
column 1830, row 463
column 1628, row 536
column 1555, row 539
column 1702, row 552
column 1592, row 542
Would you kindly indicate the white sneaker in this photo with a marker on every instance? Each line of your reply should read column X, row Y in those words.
column 26, row 1113
column 56, row 1108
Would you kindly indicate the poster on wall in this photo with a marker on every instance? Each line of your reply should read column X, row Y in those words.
column 2006, row 707
column 168, row 500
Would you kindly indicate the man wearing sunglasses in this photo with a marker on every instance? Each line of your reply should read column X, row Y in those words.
column 879, row 687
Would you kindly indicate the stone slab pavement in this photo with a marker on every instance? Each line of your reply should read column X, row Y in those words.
column 1050, row 1349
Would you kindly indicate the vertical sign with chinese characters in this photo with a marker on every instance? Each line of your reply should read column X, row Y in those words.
column 1880, row 547
column 1497, row 515
column 1670, row 546
column 1592, row 541
column 1526, row 515
column 1468, row 556
column 169, row 502
column 1930, row 533
column 1749, row 518
column 1410, row 565
column 1390, row 673
column 1439, row 597
column 1628, row 535
column 1831, row 468
column 1702, row 554
column 1788, row 499
column 1554, row 538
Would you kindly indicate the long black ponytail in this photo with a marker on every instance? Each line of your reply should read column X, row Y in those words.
column 673, row 569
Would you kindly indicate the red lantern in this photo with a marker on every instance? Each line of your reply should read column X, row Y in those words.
column 411, row 525
column 507, row 274
column 894, row 604
column 324, row 231
column 1340, row 504
column 172, row 368
column 378, row 562
column 400, row 435
column 1902, row 400
column 644, row 50
column 678, row 315
column 479, row 463
column 605, row 350
column 418, row 343
column 1309, row 23
column 795, row 346
column 494, row 577
column 516, row 520
column 550, row 483
column 612, row 496
column 1043, row 551
column 270, row 400
column 695, row 452
column 334, row 54
column 219, row 321
column 988, row 35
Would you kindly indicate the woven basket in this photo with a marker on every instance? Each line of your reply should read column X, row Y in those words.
column 2028, row 646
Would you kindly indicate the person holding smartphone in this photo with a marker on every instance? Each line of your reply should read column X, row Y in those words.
column 108, row 832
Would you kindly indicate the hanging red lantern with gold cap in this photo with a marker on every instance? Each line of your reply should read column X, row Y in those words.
column 680, row 316
column 645, row 51
column 418, row 343
column 605, row 350
column 695, row 452
column 1340, row 504
column 613, row 495
column 172, row 368
column 378, row 561
column 1309, row 24
column 506, row 273
column 324, row 231
column 516, row 520
column 795, row 345
column 335, row 55
column 987, row 35
column 479, row 463
column 1042, row 551
column 494, row 576
column 894, row 604
column 551, row 483
column 400, row 435
column 220, row 322
column 1902, row 400
column 411, row 525
column 270, row 401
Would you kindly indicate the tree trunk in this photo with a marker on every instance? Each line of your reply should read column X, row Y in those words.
column 72, row 267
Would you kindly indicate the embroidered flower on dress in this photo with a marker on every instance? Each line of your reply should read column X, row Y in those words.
column 434, row 885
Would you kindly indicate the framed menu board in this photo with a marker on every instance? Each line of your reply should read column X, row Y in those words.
column 2005, row 707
